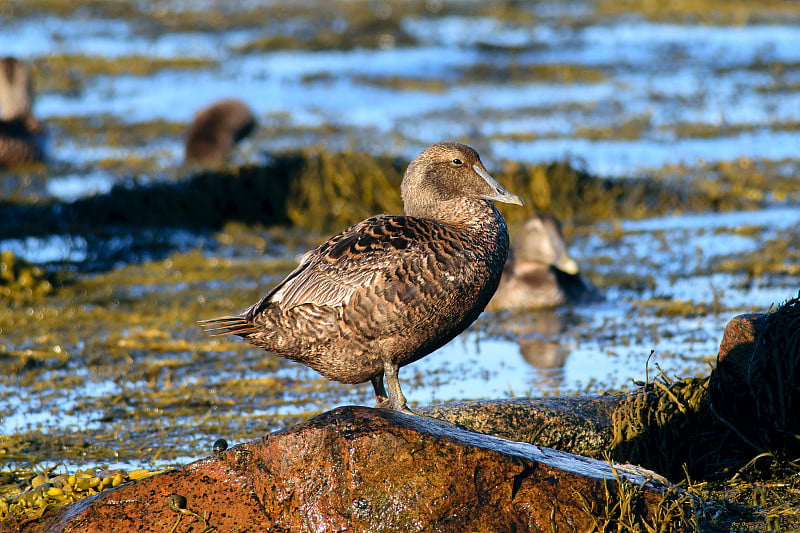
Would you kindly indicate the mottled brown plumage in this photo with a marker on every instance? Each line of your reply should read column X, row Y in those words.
column 539, row 271
column 215, row 129
column 391, row 289
column 19, row 129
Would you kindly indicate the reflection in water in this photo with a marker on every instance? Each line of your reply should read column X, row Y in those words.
column 538, row 335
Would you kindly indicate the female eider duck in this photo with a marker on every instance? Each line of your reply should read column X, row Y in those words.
column 19, row 130
column 215, row 130
column 391, row 289
column 540, row 272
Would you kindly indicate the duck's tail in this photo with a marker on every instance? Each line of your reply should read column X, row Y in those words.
column 223, row 325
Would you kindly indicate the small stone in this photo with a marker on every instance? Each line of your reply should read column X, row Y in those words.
column 220, row 445
column 176, row 503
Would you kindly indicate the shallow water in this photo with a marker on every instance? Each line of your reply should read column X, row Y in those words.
column 624, row 97
column 664, row 74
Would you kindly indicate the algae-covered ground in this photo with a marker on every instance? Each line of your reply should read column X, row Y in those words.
column 664, row 137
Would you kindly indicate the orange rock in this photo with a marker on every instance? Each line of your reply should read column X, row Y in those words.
column 361, row 469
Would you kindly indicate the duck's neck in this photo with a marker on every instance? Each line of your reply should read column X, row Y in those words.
column 15, row 100
column 471, row 212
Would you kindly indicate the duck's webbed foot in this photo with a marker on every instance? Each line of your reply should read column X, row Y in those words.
column 381, row 398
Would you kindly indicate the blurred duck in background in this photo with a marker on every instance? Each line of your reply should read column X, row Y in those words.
column 539, row 271
column 215, row 130
column 20, row 132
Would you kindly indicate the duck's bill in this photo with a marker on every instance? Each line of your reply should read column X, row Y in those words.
column 567, row 264
column 500, row 193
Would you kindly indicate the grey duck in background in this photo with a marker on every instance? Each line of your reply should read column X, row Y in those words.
column 19, row 130
column 540, row 272
column 214, row 131
column 391, row 289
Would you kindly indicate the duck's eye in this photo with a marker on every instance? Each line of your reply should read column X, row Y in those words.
column 457, row 161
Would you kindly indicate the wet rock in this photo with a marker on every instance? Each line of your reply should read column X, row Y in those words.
column 575, row 424
column 361, row 469
column 731, row 373
column 755, row 389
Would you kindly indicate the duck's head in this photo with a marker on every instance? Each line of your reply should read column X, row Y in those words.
column 542, row 241
column 448, row 171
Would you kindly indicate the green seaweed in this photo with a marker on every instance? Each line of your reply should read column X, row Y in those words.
column 70, row 73
column 26, row 494
column 22, row 282
column 706, row 12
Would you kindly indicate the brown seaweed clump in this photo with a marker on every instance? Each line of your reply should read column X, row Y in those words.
column 650, row 428
column 746, row 413
column 764, row 409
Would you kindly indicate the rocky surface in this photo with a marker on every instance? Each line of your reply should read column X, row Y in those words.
column 362, row 469
column 575, row 424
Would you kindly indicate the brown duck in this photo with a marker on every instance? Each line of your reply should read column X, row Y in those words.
column 216, row 129
column 540, row 272
column 19, row 129
column 391, row 289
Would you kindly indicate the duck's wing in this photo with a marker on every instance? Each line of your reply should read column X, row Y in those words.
column 361, row 256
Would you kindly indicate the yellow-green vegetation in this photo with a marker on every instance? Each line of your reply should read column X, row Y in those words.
column 631, row 128
column 21, row 281
column 341, row 24
column 752, row 182
column 405, row 83
column 73, row 72
column 776, row 255
column 680, row 308
column 336, row 190
column 363, row 29
column 327, row 191
column 519, row 73
column 706, row 12
column 22, row 8
column 110, row 130
column 27, row 494
column 626, row 509
column 685, row 130
column 582, row 198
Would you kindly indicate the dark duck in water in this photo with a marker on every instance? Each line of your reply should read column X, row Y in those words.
column 215, row 130
column 20, row 132
column 391, row 289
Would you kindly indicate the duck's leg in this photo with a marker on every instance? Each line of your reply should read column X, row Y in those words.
column 381, row 397
column 396, row 399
